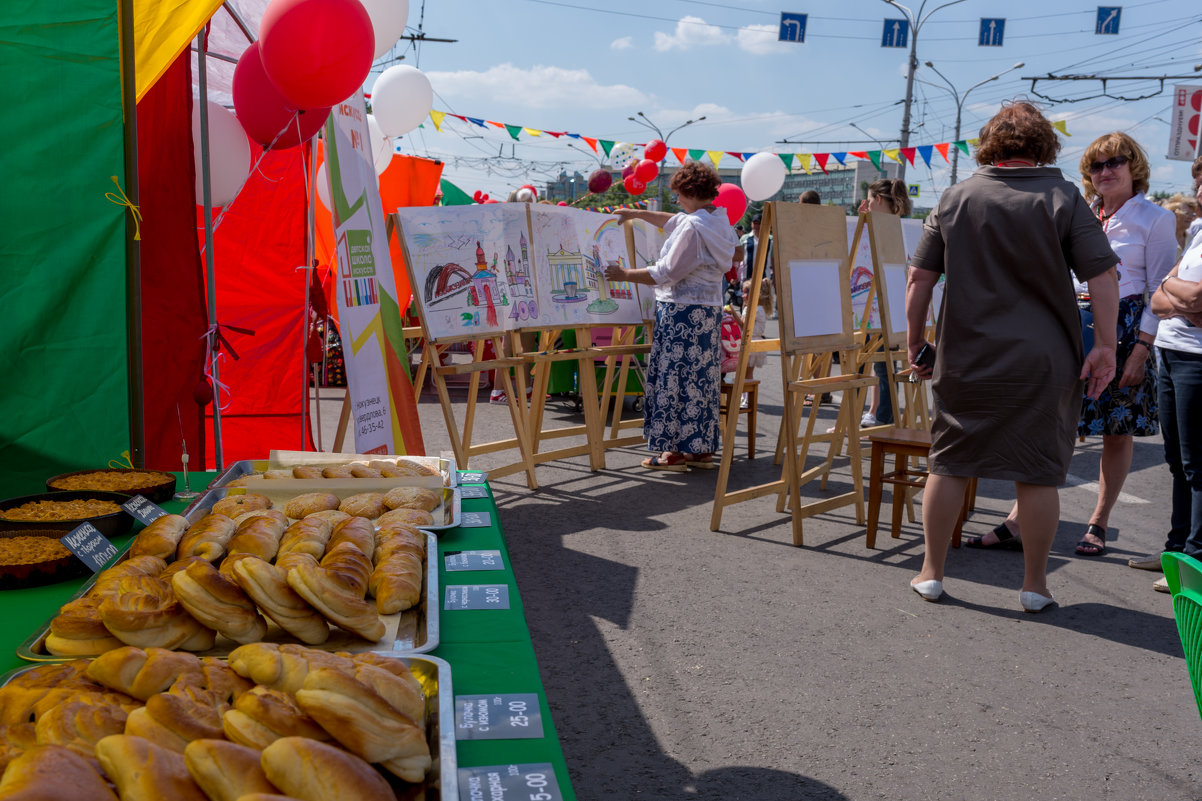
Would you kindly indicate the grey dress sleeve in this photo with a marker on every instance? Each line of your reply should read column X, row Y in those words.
column 1088, row 250
column 929, row 253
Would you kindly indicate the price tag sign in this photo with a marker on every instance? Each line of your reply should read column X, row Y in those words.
column 473, row 560
column 509, row 783
column 476, row 596
column 475, row 520
column 472, row 476
column 143, row 509
column 473, row 491
column 498, row 717
column 92, row 547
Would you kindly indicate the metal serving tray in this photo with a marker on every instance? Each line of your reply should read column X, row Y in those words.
column 412, row 631
column 442, row 782
column 246, row 467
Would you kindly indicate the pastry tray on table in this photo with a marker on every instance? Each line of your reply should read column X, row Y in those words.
column 415, row 630
column 434, row 674
column 285, row 459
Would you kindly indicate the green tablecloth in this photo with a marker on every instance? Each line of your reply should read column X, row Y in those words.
column 489, row 650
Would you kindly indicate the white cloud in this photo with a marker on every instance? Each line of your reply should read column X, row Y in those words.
column 762, row 40
column 539, row 86
column 690, row 32
column 625, row 43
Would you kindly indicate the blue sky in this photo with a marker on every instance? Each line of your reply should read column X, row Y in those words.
column 586, row 66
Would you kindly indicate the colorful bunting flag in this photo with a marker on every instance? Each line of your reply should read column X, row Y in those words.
column 437, row 117
column 962, row 145
column 875, row 157
column 925, row 152
column 680, row 154
column 532, row 131
column 715, row 157
column 590, row 142
column 1062, row 126
column 606, row 145
column 514, row 130
column 696, row 155
column 787, row 158
column 739, row 156
column 893, row 154
column 803, row 161
column 821, row 159
column 475, row 120
column 942, row 148
column 747, row 156
column 839, row 157
column 908, row 152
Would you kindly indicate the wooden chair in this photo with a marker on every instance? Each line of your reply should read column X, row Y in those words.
column 752, row 388
column 904, row 444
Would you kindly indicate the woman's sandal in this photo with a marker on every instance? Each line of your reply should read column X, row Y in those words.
column 1005, row 540
column 675, row 463
column 1087, row 548
column 700, row 461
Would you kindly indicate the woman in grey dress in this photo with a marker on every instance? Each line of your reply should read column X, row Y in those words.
column 1009, row 370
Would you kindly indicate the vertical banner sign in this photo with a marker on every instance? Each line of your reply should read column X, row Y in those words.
column 1183, row 130
column 383, row 412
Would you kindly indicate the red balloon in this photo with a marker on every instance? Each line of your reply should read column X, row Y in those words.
column 484, row 198
column 264, row 113
column 476, row 195
column 634, row 186
column 599, row 180
column 628, row 171
column 655, row 150
column 317, row 52
column 562, row 203
column 731, row 198
column 646, row 170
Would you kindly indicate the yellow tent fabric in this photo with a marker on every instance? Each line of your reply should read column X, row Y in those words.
column 162, row 29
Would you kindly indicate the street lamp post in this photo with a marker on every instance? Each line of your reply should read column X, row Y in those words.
column 960, row 98
column 646, row 122
column 879, row 143
column 916, row 22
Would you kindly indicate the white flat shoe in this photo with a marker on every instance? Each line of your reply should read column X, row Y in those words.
column 930, row 590
column 1034, row 602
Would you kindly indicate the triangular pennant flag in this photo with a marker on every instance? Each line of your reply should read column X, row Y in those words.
column 747, row 156
column 861, row 154
column 606, row 145
column 925, row 152
column 962, row 145
column 875, row 156
column 1062, row 126
column 942, row 148
column 532, row 131
column 739, row 156
column 514, row 130
column 556, row 134
column 839, row 157
column 893, row 154
column 908, row 152
column 496, row 124
column 715, row 157
column 475, row 121
column 696, row 155
column 680, row 154
column 821, row 159
column 787, row 158
column 460, row 117
column 575, row 136
column 974, row 142
column 437, row 117
column 590, row 142
column 803, row 161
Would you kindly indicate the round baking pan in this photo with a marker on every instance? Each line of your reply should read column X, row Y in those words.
column 110, row 525
column 38, row 574
column 158, row 492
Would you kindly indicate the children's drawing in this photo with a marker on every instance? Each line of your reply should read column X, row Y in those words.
column 648, row 242
column 861, row 279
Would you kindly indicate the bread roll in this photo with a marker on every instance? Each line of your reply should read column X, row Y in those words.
column 349, row 566
column 359, row 718
column 80, row 723
column 356, row 530
column 173, row 721
column 226, row 771
column 217, row 684
column 107, row 580
column 283, row 667
column 145, row 612
column 77, row 630
column 14, row 741
column 337, row 471
column 396, row 582
column 306, row 471
column 407, row 467
column 364, row 471
column 406, row 517
column 207, row 538
column 233, row 505
column 308, row 535
column 336, row 593
column 394, row 537
column 263, row 715
column 277, row 474
column 259, row 535
column 160, row 538
column 226, row 568
column 53, row 773
column 412, row 498
column 177, row 566
column 400, row 689
column 365, row 504
column 142, row 673
column 268, row 587
column 304, row 505
column 145, row 771
column 331, row 516
column 219, row 603
column 314, row 771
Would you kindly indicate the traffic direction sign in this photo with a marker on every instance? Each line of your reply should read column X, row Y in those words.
column 896, row 33
column 992, row 30
column 1108, row 19
column 792, row 27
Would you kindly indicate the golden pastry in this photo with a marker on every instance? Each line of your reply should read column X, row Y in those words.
column 268, row 587
column 142, row 673
column 77, row 630
column 319, row 772
column 365, row 504
column 358, row 531
column 337, row 592
column 146, row 771
column 54, row 773
column 412, row 498
column 306, row 471
column 160, row 538
column 259, row 536
column 233, row 505
column 219, row 603
column 407, row 517
column 310, row 502
column 263, row 715
column 226, row 771
column 396, row 582
column 207, row 538
column 308, row 535
column 145, row 612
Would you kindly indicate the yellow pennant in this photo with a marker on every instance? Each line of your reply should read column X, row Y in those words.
column 437, row 117
column 533, row 131
column 894, row 154
column 974, row 142
column 803, row 161
column 1062, row 126
column 715, row 157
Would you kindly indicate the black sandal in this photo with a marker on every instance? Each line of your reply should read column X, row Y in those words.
column 1087, row 548
column 1005, row 540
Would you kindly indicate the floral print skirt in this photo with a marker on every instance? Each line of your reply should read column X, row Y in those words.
column 1129, row 410
column 683, row 379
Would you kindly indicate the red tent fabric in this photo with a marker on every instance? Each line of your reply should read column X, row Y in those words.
column 174, row 314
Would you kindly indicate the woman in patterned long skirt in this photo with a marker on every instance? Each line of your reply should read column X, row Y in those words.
column 683, row 370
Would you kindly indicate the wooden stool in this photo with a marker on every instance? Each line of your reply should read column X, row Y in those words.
column 752, row 388
column 904, row 444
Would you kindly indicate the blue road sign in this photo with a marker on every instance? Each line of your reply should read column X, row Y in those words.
column 896, row 33
column 913, row 190
column 1108, row 19
column 792, row 27
column 992, row 29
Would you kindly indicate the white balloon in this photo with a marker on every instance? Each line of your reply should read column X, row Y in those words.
column 323, row 187
column 229, row 153
column 401, row 99
column 620, row 155
column 381, row 145
column 388, row 18
column 763, row 176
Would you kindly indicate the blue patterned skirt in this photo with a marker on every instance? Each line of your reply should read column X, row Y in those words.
column 1129, row 410
column 683, row 379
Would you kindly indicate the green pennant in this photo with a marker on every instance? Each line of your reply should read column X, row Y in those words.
column 696, row 155
column 606, row 145
column 962, row 145
column 514, row 130
column 787, row 158
column 875, row 155
column 453, row 195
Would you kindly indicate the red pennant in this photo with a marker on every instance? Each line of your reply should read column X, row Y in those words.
column 739, row 156
column 495, row 124
column 681, row 153
column 591, row 143
column 909, row 152
column 556, row 134
column 942, row 148
column 459, row 117
column 821, row 159
column 860, row 154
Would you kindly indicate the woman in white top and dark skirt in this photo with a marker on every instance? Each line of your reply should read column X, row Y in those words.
column 684, row 368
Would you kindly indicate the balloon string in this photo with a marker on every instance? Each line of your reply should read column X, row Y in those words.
column 121, row 199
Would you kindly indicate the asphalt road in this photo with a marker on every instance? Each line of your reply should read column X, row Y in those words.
column 684, row 663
